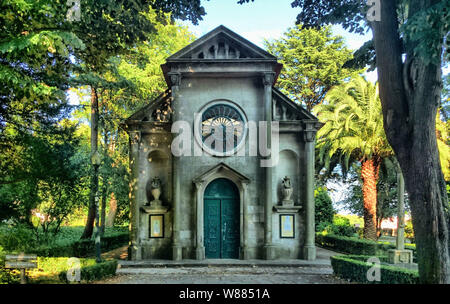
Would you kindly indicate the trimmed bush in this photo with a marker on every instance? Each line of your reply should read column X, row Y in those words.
column 6, row 276
column 347, row 244
column 93, row 272
column 323, row 208
column 355, row 268
column 83, row 248
column 352, row 245
column 54, row 270
column 339, row 226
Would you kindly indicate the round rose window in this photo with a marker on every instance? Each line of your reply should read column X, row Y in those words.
column 222, row 128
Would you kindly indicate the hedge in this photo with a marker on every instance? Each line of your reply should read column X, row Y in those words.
column 357, row 246
column 83, row 248
column 347, row 244
column 54, row 270
column 355, row 268
column 93, row 272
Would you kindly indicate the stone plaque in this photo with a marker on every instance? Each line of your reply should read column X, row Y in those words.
column 156, row 225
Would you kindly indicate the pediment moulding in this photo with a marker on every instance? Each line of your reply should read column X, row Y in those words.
column 221, row 44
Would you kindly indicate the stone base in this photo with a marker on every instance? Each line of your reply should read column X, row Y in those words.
column 269, row 252
column 134, row 253
column 177, row 253
column 245, row 253
column 200, row 253
column 309, row 253
column 400, row 256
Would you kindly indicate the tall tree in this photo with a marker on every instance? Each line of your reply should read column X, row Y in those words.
column 126, row 84
column 408, row 42
column 110, row 28
column 354, row 130
column 312, row 61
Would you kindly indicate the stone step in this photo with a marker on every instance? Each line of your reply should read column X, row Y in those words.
column 223, row 263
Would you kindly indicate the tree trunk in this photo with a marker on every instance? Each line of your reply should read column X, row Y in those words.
column 105, row 180
column 112, row 211
column 103, row 213
column 369, row 177
column 410, row 94
column 88, row 229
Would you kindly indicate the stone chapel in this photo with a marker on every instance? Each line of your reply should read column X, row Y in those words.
column 222, row 204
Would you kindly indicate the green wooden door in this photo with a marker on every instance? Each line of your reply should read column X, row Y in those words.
column 221, row 220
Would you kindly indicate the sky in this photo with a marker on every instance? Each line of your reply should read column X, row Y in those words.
column 262, row 19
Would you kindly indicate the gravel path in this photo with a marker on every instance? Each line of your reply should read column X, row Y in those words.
column 221, row 275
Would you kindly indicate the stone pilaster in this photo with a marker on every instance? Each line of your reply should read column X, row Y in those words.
column 268, row 79
column 175, row 79
column 245, row 249
column 309, row 249
column 401, row 210
column 400, row 255
column 134, row 249
column 199, row 248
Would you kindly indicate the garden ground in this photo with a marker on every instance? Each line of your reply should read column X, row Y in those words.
column 227, row 272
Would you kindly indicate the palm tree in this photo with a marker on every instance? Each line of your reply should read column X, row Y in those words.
column 353, row 130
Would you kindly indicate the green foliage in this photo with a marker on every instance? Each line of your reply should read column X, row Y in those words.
column 48, row 174
column 409, row 231
column 127, row 83
column 42, row 54
column 353, row 124
column 18, row 239
column 312, row 61
column 84, row 247
column 339, row 226
column 93, row 272
column 57, row 264
column 353, row 245
column 443, row 142
column 6, row 277
column 426, row 30
column 323, row 208
column 355, row 268
column 345, row 244
column 423, row 28
column 67, row 243
column 54, row 270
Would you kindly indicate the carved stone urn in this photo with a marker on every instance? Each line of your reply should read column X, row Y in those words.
column 156, row 191
column 286, row 192
column 155, row 206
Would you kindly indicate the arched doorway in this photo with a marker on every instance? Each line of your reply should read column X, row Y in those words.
column 221, row 220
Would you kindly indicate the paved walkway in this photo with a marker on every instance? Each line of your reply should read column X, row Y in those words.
column 211, row 271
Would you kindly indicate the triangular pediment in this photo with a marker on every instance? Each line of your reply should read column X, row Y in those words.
column 223, row 170
column 284, row 109
column 221, row 44
column 159, row 110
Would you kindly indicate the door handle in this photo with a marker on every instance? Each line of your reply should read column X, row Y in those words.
column 224, row 231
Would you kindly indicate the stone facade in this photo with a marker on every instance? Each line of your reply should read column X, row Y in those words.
column 222, row 68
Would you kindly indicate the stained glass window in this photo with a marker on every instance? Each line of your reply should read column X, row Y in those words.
column 222, row 128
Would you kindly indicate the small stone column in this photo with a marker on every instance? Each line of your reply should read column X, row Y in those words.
column 245, row 252
column 175, row 78
column 200, row 248
column 309, row 249
column 134, row 249
column 400, row 255
column 268, row 79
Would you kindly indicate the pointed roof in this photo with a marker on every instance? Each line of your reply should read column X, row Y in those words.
column 222, row 167
column 145, row 113
column 302, row 112
column 217, row 43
